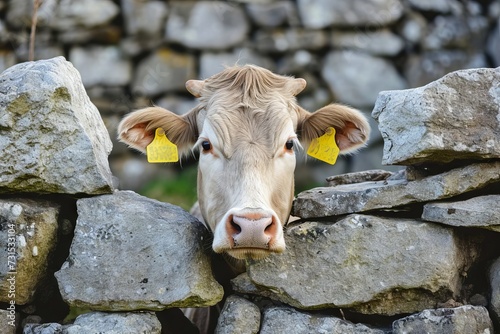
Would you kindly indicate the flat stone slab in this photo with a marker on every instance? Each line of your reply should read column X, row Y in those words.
column 464, row 319
column 453, row 118
column 369, row 264
column 358, row 177
column 134, row 253
column 481, row 211
column 360, row 197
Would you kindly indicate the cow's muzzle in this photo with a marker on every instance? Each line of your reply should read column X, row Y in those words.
column 252, row 233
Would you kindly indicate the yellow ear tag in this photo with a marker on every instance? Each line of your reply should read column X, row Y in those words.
column 325, row 148
column 161, row 149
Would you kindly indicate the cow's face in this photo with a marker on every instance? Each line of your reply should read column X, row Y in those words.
column 246, row 127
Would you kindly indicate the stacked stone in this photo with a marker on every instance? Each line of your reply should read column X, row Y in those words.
column 416, row 241
column 128, row 254
column 131, row 53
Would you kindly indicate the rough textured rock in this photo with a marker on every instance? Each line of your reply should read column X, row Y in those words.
column 464, row 319
column 101, row 65
column 420, row 125
column 100, row 322
column 273, row 14
column 341, row 71
column 482, row 211
column 156, row 251
column 206, row 24
column 163, row 71
column 52, row 137
column 359, row 197
column 323, row 13
column 381, row 42
column 346, row 265
column 288, row 320
column 456, row 32
column 358, row 177
column 70, row 14
column 28, row 235
column 5, row 318
column 238, row 316
column 494, row 277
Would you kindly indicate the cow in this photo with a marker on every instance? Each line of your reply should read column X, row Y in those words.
column 247, row 127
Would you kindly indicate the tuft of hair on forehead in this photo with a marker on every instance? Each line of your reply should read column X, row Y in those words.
column 250, row 83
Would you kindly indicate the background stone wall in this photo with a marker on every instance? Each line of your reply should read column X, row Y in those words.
column 132, row 53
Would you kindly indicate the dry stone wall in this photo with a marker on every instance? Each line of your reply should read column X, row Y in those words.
column 132, row 53
column 374, row 252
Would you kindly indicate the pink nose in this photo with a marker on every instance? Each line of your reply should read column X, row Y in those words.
column 251, row 230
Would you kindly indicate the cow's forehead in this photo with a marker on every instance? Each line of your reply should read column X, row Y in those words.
column 232, row 127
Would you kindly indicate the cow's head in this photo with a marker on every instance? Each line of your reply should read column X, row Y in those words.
column 246, row 127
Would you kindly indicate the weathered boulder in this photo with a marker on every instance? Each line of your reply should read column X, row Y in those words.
column 52, row 137
column 481, row 211
column 28, row 235
column 101, row 65
column 206, row 24
column 341, row 71
column 366, row 263
column 163, row 71
column 238, row 315
column 100, row 322
column 464, row 319
column 359, row 197
column 287, row 320
column 130, row 252
column 323, row 13
column 452, row 118
column 273, row 14
column 494, row 277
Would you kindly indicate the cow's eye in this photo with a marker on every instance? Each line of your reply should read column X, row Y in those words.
column 289, row 144
column 206, row 145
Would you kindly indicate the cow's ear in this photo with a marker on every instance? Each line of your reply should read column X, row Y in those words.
column 138, row 128
column 351, row 127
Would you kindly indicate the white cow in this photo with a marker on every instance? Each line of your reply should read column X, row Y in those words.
column 247, row 126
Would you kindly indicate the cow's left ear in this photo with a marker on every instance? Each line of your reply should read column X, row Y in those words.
column 351, row 126
column 138, row 128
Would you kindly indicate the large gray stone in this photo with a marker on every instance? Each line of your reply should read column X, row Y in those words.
column 206, row 24
column 292, row 39
column 316, row 14
column 494, row 278
column 130, row 252
column 163, row 71
column 366, row 263
column 460, row 320
column 101, row 65
column 115, row 323
column 52, row 137
column 273, row 14
column 28, row 235
column 359, row 197
column 482, row 211
column 70, row 14
column 452, row 118
column 381, row 42
column 238, row 316
column 287, row 320
column 102, row 323
column 144, row 18
column 341, row 70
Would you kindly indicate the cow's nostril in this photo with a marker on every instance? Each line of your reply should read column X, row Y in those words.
column 268, row 227
column 236, row 227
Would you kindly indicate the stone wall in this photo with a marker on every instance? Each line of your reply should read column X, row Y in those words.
column 373, row 252
column 131, row 53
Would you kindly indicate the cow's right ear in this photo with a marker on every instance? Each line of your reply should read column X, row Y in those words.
column 138, row 128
